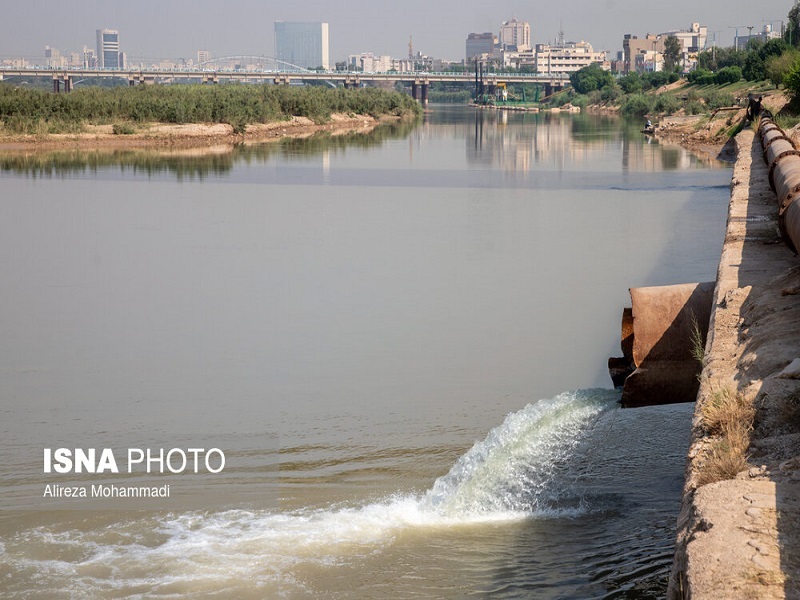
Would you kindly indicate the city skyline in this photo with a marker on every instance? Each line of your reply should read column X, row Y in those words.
column 151, row 29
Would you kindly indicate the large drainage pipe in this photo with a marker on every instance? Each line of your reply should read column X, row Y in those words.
column 783, row 161
column 661, row 332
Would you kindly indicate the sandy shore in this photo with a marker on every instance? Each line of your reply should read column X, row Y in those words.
column 202, row 138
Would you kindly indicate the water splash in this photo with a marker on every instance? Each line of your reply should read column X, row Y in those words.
column 516, row 472
column 517, row 468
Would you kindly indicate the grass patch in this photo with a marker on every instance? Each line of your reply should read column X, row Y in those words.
column 34, row 111
column 123, row 129
column 785, row 121
column 728, row 415
column 697, row 341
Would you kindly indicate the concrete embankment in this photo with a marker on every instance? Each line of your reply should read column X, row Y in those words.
column 739, row 526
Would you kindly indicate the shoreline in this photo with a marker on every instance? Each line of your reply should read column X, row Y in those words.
column 740, row 537
column 198, row 138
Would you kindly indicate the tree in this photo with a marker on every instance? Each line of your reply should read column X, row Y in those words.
column 792, row 81
column 778, row 67
column 672, row 53
column 631, row 83
column 754, row 67
column 719, row 58
column 793, row 26
column 590, row 78
column 774, row 47
column 728, row 75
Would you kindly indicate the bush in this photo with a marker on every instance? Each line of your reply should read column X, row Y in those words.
column 655, row 80
column 700, row 77
column 718, row 99
column 561, row 98
column 728, row 75
column 581, row 101
column 590, row 78
column 122, row 129
column 631, row 83
column 610, row 93
column 694, row 108
column 666, row 103
column 636, row 105
column 778, row 67
column 792, row 81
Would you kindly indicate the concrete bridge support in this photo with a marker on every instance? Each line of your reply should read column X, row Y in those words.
column 58, row 80
column 352, row 82
column 419, row 90
column 552, row 88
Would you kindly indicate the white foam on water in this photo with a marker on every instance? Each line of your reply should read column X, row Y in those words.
column 512, row 474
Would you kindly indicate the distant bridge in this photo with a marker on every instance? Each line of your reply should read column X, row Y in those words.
column 280, row 73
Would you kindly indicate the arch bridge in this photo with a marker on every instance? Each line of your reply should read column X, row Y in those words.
column 263, row 69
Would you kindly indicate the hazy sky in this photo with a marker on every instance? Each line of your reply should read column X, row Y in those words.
column 178, row 28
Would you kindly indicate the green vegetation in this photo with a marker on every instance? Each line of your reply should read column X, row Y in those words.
column 722, row 76
column 590, row 78
column 672, row 53
column 36, row 111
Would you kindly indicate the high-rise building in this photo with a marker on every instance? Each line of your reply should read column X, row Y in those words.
column 515, row 35
column 54, row 58
column 302, row 44
column 108, row 54
column 479, row 44
column 89, row 58
column 203, row 56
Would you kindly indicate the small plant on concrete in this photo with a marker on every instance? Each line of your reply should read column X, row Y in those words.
column 728, row 416
column 698, row 343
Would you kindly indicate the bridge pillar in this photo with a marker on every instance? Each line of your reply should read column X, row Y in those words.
column 56, row 85
column 67, row 84
column 414, row 90
column 552, row 88
column 281, row 80
column 424, row 95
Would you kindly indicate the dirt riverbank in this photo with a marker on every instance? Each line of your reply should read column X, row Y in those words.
column 215, row 137
column 740, row 537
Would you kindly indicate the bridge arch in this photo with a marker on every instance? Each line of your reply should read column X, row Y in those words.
column 262, row 63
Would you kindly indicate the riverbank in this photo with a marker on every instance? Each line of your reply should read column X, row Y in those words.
column 739, row 537
column 211, row 137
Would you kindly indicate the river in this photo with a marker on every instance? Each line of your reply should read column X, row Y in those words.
column 398, row 341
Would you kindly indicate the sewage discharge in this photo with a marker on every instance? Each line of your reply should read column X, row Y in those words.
column 517, row 472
